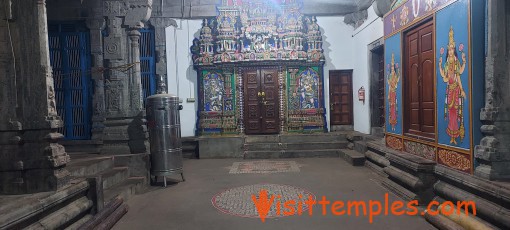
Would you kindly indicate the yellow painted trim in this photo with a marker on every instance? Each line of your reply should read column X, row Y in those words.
column 416, row 20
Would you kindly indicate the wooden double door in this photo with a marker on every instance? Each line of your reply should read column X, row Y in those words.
column 261, row 114
column 419, row 97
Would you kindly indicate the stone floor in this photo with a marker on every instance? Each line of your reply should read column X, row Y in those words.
column 190, row 204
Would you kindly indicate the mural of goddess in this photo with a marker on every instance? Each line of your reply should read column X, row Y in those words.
column 308, row 89
column 213, row 90
column 393, row 79
column 454, row 100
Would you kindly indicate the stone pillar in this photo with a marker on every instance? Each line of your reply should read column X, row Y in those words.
column 493, row 153
column 160, row 24
column 96, row 25
column 136, row 76
column 124, row 130
column 31, row 159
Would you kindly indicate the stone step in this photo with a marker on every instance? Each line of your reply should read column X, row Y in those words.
column 76, row 225
column 377, row 159
column 492, row 212
column 82, row 146
column 291, row 154
column 262, row 139
column 129, row 187
column 188, row 148
column 312, row 138
column 64, row 215
column 375, row 168
column 15, row 215
column 89, row 167
column 293, row 146
column 476, row 218
column 114, row 176
column 400, row 191
column 354, row 158
column 408, row 180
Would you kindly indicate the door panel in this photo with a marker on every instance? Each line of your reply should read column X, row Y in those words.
column 252, row 113
column 340, row 91
column 261, row 101
column 427, row 81
column 419, row 82
column 269, row 102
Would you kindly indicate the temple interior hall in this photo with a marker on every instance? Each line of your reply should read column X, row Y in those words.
column 255, row 114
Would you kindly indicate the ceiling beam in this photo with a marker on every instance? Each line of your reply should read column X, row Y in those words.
column 196, row 9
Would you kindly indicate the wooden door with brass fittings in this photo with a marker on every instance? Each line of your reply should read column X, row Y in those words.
column 261, row 101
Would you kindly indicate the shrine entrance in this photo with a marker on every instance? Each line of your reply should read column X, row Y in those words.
column 260, row 70
column 261, row 101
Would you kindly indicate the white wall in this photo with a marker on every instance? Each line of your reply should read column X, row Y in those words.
column 343, row 51
column 182, row 78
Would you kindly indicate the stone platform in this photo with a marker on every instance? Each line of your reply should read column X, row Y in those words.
column 272, row 146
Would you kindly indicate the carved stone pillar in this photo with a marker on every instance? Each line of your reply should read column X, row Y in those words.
column 493, row 153
column 160, row 24
column 124, row 130
column 31, row 159
column 136, row 76
column 96, row 25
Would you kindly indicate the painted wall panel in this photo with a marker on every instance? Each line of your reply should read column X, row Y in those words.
column 453, row 88
column 393, row 80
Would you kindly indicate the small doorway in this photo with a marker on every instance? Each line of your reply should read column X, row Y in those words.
column 261, row 114
column 377, row 85
column 340, row 99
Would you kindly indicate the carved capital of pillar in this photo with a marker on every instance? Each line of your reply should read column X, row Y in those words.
column 138, row 13
column 162, row 22
column 96, row 23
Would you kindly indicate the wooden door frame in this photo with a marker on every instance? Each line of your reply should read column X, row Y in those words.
column 343, row 126
column 406, row 82
column 242, row 71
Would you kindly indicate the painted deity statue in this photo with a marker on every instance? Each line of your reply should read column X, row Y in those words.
column 308, row 87
column 214, row 93
column 393, row 79
column 454, row 100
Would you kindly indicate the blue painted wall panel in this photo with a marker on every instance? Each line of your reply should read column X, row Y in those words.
column 393, row 77
column 453, row 100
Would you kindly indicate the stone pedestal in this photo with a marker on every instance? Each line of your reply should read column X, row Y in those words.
column 31, row 159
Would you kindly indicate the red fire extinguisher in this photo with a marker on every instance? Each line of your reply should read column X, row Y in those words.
column 361, row 94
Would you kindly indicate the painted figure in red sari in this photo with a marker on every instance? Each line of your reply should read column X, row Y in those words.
column 454, row 99
column 393, row 79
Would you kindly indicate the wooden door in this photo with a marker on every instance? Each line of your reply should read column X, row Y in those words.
column 419, row 85
column 261, row 101
column 340, row 97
